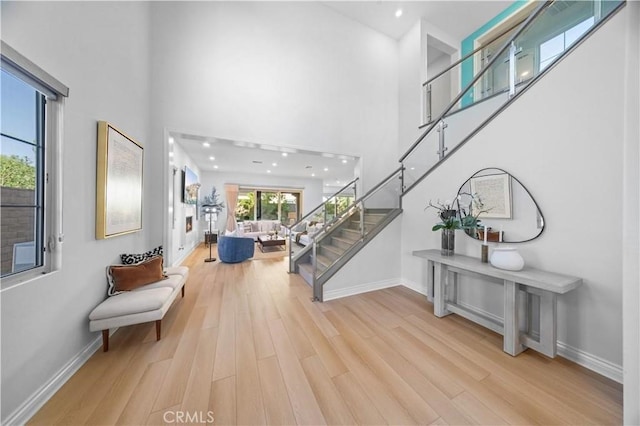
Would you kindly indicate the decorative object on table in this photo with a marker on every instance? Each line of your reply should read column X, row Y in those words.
column 211, row 205
column 507, row 258
column 484, row 252
column 449, row 222
column 118, row 207
column 526, row 222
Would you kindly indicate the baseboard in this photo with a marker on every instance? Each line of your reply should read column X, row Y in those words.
column 361, row 288
column 31, row 406
column 592, row 362
column 417, row 287
column 584, row 359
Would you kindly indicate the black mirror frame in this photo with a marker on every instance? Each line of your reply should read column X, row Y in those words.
column 525, row 189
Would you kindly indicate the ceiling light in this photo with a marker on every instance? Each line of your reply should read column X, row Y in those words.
column 338, row 182
column 212, row 158
column 268, row 171
column 313, row 174
column 206, row 144
column 413, row 168
column 171, row 154
column 398, row 13
column 170, row 140
column 215, row 166
column 274, row 164
column 284, row 154
column 344, row 161
column 326, row 169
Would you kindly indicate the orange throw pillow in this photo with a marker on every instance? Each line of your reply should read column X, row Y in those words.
column 130, row 277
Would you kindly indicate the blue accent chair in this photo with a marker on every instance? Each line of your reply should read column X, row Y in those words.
column 235, row 249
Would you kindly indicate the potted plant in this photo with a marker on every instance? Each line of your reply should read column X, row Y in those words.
column 452, row 217
column 449, row 222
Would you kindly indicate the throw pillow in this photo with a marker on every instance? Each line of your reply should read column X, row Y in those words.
column 129, row 277
column 130, row 259
column 255, row 226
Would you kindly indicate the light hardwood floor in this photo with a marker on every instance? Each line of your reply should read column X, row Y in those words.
column 247, row 346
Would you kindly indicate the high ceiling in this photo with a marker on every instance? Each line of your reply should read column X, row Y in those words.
column 457, row 18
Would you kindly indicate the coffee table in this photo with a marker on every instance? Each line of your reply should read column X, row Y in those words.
column 268, row 241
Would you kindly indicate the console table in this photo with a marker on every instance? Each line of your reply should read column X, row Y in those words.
column 443, row 275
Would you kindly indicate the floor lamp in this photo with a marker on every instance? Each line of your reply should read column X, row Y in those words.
column 210, row 212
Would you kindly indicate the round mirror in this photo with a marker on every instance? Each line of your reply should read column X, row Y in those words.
column 494, row 200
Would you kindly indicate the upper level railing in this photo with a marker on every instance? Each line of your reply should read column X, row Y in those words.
column 493, row 76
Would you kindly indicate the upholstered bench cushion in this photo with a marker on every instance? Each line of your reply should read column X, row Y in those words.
column 183, row 271
column 171, row 282
column 132, row 302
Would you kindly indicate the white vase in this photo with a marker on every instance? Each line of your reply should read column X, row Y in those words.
column 507, row 258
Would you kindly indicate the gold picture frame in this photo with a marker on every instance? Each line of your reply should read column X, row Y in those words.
column 119, row 175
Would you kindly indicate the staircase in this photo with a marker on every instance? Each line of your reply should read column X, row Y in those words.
column 350, row 229
column 342, row 242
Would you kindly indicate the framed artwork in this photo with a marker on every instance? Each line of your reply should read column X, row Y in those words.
column 119, row 183
column 495, row 193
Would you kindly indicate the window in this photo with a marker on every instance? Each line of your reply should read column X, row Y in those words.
column 256, row 204
column 29, row 210
column 552, row 48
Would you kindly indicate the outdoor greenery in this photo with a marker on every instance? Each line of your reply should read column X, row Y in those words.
column 17, row 172
column 269, row 202
column 246, row 206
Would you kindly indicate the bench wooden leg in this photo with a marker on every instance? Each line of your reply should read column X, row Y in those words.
column 105, row 340
column 158, row 328
column 182, row 291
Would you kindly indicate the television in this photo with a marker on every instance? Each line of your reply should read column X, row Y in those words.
column 190, row 186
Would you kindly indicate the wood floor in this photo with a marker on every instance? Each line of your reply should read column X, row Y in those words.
column 247, row 346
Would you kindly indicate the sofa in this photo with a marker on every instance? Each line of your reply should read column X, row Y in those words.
column 256, row 228
column 304, row 231
column 235, row 249
column 137, row 303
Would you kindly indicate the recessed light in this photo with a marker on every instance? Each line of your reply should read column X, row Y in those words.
column 313, row 174
column 215, row 166
column 268, row 171
column 206, row 144
column 344, row 161
column 326, row 169
column 398, row 13
column 413, row 168
column 338, row 182
column 170, row 140
column 212, row 158
column 274, row 164
column 171, row 154
column 284, row 154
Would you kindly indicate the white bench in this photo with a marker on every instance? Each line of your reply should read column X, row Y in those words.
column 442, row 272
column 144, row 304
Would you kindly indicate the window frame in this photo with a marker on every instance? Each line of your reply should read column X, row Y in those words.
column 48, row 227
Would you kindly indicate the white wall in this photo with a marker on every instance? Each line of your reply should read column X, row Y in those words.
column 631, row 221
column 374, row 267
column 312, row 190
column 410, row 88
column 182, row 242
column 100, row 51
column 565, row 144
column 281, row 73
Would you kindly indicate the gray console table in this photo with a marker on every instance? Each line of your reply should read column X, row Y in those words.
column 442, row 275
